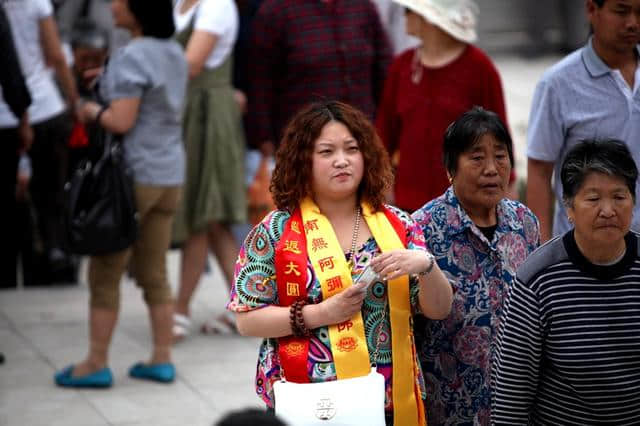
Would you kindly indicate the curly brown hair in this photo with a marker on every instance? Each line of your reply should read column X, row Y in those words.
column 291, row 180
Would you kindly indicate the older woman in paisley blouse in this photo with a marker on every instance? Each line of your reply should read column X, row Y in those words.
column 479, row 239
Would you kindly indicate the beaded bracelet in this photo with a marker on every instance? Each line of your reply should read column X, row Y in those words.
column 300, row 324
column 296, row 320
column 292, row 318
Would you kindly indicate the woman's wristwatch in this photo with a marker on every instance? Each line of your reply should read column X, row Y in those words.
column 432, row 261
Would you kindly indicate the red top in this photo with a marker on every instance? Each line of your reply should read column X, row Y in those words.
column 412, row 117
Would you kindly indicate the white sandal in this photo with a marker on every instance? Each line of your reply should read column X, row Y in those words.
column 222, row 324
column 181, row 327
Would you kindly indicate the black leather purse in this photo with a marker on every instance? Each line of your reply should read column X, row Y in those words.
column 101, row 215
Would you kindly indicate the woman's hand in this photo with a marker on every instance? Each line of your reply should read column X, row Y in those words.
column 395, row 263
column 119, row 117
column 89, row 111
column 25, row 132
column 342, row 306
column 241, row 100
column 90, row 77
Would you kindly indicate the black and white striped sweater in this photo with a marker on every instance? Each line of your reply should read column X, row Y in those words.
column 569, row 345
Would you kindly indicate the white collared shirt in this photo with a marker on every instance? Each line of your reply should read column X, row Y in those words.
column 624, row 85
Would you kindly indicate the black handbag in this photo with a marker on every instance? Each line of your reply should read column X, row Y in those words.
column 101, row 215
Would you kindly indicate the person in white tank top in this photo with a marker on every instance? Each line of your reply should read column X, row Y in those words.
column 39, row 50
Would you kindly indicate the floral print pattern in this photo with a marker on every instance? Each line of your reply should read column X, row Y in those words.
column 255, row 287
column 456, row 353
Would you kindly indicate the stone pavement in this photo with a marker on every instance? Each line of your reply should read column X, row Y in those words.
column 44, row 329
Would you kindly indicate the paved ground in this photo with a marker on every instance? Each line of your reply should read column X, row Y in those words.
column 42, row 330
column 519, row 78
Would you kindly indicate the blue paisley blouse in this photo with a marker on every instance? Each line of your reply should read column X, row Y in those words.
column 456, row 353
column 255, row 287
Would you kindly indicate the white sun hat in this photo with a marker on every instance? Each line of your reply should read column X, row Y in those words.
column 455, row 17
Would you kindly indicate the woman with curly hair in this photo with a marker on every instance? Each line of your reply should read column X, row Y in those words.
column 295, row 275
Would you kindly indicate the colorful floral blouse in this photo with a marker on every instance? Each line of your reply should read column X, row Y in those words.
column 255, row 287
column 456, row 352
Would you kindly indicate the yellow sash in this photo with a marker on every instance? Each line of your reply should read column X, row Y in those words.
column 348, row 342
column 408, row 410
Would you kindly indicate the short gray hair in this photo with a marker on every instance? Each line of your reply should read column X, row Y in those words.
column 608, row 156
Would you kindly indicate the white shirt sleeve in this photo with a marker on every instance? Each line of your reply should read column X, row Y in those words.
column 546, row 133
column 215, row 16
column 43, row 8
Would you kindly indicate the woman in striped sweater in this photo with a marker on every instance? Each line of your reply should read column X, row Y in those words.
column 569, row 349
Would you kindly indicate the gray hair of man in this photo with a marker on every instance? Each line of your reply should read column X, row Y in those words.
column 607, row 156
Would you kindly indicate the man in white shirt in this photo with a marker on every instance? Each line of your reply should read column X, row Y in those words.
column 39, row 50
column 591, row 94
column 12, row 141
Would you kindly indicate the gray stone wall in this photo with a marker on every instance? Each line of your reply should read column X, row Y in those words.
column 531, row 26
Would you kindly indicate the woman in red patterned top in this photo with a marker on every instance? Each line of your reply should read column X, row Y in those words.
column 298, row 275
column 429, row 87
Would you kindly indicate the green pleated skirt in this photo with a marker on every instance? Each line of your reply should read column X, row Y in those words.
column 214, row 141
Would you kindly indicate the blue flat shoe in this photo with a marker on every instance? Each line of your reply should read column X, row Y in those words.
column 100, row 379
column 164, row 373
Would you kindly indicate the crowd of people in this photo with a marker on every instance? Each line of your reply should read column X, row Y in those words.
column 395, row 241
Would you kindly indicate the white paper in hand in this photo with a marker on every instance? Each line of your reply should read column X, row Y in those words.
column 366, row 278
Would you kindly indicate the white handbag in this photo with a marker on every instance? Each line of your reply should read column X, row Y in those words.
column 346, row 402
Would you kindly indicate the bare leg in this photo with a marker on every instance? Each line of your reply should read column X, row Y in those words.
column 101, row 324
column 194, row 256
column 161, row 322
column 224, row 247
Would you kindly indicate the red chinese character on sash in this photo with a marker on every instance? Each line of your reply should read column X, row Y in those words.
column 291, row 246
column 345, row 326
column 326, row 263
column 311, row 225
column 318, row 243
column 292, row 268
column 334, row 283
